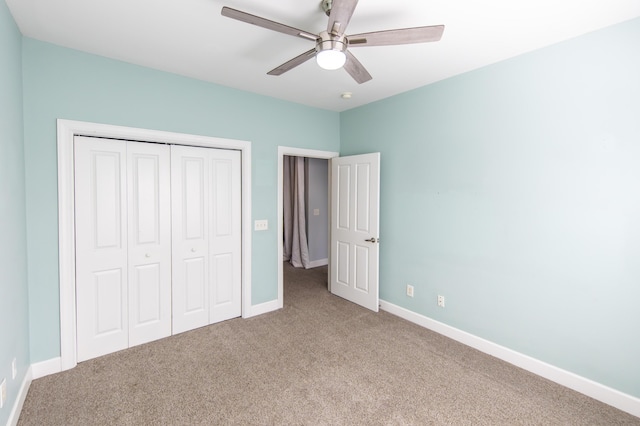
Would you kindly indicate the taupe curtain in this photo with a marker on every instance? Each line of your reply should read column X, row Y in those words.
column 296, row 249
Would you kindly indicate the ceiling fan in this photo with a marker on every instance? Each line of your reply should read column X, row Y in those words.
column 331, row 50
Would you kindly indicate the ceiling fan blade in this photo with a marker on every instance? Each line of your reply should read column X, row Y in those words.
column 298, row 60
column 341, row 12
column 265, row 23
column 356, row 69
column 400, row 36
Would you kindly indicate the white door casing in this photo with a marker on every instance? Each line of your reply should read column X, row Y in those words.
column 355, row 204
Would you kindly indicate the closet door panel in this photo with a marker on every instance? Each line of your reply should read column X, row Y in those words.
column 145, row 298
column 225, row 235
column 149, row 239
column 195, row 285
column 190, row 246
column 101, row 247
column 222, row 279
column 108, row 293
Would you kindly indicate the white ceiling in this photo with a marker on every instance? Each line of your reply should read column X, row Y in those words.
column 191, row 38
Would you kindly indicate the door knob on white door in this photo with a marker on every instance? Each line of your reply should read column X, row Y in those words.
column 147, row 255
column 193, row 250
column 373, row 240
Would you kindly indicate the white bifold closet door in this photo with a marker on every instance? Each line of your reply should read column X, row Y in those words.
column 158, row 241
column 123, row 244
column 206, row 217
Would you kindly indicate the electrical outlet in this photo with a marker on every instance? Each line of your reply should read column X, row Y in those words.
column 261, row 225
column 14, row 369
column 3, row 392
column 409, row 290
column 441, row 301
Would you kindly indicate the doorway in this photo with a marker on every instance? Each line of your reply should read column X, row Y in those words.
column 295, row 152
column 306, row 211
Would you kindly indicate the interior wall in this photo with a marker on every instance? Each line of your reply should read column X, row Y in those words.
column 14, row 342
column 64, row 83
column 317, row 194
column 514, row 191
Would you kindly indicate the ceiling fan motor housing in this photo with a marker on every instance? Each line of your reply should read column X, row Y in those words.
column 331, row 42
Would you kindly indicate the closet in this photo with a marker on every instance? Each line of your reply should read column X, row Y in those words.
column 158, row 241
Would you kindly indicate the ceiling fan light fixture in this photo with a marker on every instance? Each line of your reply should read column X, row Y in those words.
column 330, row 51
column 331, row 59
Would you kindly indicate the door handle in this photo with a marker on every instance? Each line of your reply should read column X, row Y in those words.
column 147, row 255
column 373, row 240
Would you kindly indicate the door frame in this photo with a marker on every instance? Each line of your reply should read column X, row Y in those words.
column 296, row 152
column 66, row 132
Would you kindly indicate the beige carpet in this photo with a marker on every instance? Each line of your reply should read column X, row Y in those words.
column 320, row 360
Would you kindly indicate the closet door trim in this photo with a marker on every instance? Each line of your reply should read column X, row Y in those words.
column 66, row 132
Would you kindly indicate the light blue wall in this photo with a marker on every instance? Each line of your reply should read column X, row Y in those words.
column 63, row 83
column 514, row 191
column 14, row 314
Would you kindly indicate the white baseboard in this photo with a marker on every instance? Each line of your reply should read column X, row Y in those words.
column 46, row 368
column 263, row 308
column 600, row 392
column 317, row 263
column 22, row 395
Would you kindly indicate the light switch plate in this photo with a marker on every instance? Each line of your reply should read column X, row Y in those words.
column 261, row 225
column 316, row 212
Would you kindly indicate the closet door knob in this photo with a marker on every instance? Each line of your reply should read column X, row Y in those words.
column 193, row 250
column 147, row 255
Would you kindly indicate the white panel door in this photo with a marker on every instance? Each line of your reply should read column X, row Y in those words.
column 355, row 195
column 224, row 235
column 101, row 246
column 158, row 241
column 190, row 237
column 149, row 234
column 206, row 236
